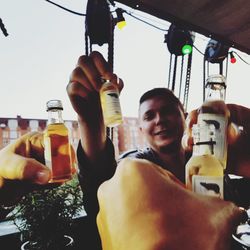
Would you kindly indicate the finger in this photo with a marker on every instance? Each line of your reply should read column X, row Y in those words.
column 239, row 216
column 75, row 88
column 233, row 133
column 120, row 84
column 187, row 139
column 78, row 75
column 16, row 167
column 91, row 72
column 191, row 118
column 117, row 81
column 73, row 160
column 101, row 64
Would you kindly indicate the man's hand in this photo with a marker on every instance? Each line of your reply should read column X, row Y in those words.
column 22, row 167
column 238, row 140
column 83, row 91
column 143, row 207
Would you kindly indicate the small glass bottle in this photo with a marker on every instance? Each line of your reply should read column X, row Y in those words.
column 204, row 172
column 110, row 102
column 214, row 111
column 57, row 149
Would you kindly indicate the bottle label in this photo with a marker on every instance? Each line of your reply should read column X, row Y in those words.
column 208, row 185
column 220, row 123
column 112, row 102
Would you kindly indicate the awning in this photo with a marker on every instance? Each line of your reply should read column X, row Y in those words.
column 227, row 21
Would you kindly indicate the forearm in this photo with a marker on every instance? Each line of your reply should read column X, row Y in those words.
column 91, row 176
column 93, row 139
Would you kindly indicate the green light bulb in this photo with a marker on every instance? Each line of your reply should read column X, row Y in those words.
column 186, row 49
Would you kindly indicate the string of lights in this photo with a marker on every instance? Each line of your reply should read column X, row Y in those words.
column 142, row 19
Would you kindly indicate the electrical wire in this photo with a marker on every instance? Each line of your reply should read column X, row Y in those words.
column 71, row 11
column 137, row 18
column 124, row 11
column 2, row 27
column 241, row 57
column 198, row 50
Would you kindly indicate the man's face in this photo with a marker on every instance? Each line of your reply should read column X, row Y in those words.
column 161, row 122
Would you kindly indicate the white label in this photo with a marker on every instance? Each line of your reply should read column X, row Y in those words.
column 220, row 123
column 47, row 152
column 208, row 185
column 112, row 102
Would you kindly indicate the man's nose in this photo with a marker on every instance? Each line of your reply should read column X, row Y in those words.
column 158, row 118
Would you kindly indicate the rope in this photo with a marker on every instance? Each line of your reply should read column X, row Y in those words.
column 188, row 75
column 170, row 70
column 182, row 62
column 174, row 74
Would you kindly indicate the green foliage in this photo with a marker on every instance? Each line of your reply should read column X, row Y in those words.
column 44, row 216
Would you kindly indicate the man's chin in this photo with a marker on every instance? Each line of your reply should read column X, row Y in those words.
column 168, row 145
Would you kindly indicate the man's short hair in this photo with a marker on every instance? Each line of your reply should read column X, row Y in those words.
column 163, row 92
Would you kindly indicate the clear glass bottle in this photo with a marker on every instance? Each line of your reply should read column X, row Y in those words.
column 214, row 111
column 57, row 149
column 110, row 102
column 204, row 172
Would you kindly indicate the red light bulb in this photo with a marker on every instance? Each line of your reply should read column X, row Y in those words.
column 232, row 58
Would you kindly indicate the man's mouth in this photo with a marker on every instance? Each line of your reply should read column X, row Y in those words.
column 162, row 132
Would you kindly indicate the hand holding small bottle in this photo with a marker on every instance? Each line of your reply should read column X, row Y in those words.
column 84, row 93
column 237, row 135
column 22, row 168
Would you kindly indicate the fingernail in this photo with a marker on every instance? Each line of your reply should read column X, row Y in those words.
column 42, row 177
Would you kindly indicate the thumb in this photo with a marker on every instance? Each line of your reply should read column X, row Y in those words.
column 16, row 167
column 240, row 216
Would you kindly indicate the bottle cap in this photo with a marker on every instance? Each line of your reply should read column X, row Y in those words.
column 54, row 104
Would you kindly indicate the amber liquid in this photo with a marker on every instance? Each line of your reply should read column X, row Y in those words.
column 57, row 152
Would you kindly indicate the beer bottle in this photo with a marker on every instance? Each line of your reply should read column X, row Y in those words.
column 56, row 142
column 110, row 102
column 214, row 111
column 204, row 172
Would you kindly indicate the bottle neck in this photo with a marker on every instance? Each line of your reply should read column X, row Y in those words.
column 55, row 116
column 215, row 92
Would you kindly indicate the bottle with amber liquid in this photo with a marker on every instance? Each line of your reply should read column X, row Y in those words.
column 214, row 111
column 110, row 102
column 57, row 146
column 204, row 172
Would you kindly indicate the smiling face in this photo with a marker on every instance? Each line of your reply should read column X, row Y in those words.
column 162, row 122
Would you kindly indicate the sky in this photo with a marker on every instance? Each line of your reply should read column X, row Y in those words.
column 44, row 43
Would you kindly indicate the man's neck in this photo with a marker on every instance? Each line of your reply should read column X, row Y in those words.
column 173, row 160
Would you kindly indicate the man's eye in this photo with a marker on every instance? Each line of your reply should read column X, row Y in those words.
column 148, row 117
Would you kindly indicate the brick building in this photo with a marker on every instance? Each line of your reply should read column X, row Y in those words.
column 125, row 137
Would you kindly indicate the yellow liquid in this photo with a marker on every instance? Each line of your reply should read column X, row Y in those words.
column 202, row 165
column 57, row 152
column 111, row 108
